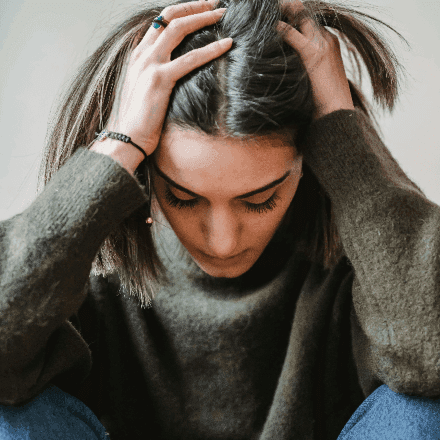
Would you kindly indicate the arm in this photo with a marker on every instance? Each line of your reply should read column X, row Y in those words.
column 46, row 254
column 390, row 232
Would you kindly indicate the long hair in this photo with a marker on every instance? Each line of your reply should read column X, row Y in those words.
column 258, row 87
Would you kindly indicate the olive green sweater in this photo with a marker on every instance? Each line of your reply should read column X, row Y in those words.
column 285, row 351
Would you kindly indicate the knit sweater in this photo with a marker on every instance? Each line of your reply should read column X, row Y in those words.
column 284, row 351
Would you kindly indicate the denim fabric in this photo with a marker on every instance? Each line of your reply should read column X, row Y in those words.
column 52, row 415
column 386, row 415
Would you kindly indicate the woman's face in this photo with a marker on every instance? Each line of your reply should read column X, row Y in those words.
column 224, row 232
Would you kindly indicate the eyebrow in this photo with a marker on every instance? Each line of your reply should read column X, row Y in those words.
column 243, row 196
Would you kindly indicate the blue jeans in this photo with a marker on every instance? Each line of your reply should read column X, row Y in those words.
column 52, row 415
column 391, row 416
column 384, row 415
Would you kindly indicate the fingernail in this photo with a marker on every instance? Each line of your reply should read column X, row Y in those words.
column 221, row 10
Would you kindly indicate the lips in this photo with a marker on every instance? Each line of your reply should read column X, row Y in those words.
column 222, row 259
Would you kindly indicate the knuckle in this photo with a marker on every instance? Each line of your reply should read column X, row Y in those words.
column 162, row 74
column 169, row 11
column 219, row 45
column 177, row 23
column 156, row 72
column 158, row 77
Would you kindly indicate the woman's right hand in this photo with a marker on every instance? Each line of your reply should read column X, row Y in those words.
column 151, row 76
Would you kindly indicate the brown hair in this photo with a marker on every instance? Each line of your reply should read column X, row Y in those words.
column 257, row 88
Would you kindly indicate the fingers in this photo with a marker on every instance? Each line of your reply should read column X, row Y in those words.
column 307, row 26
column 309, row 36
column 292, row 36
column 179, row 28
column 197, row 58
column 173, row 12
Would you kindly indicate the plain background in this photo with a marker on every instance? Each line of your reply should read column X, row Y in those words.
column 43, row 42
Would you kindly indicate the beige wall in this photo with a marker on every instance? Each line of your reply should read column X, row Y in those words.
column 43, row 41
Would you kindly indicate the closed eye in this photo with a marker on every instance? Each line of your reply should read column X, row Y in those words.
column 243, row 196
column 260, row 208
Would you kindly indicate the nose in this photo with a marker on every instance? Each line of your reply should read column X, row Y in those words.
column 222, row 235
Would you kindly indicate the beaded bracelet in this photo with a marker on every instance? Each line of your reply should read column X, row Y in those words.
column 122, row 137
column 119, row 137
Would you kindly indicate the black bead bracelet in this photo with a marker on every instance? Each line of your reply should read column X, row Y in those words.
column 119, row 137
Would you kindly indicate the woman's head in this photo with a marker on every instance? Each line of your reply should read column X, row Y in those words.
column 211, row 191
column 241, row 114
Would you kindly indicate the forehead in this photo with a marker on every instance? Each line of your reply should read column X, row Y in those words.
column 182, row 151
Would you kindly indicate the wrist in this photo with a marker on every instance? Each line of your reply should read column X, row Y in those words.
column 326, row 111
column 126, row 154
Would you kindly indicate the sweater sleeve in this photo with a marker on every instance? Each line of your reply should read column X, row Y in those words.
column 390, row 233
column 46, row 254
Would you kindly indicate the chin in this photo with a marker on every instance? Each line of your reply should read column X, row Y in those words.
column 222, row 272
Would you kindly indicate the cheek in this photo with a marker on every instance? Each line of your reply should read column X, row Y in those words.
column 261, row 228
column 264, row 226
column 172, row 215
column 181, row 220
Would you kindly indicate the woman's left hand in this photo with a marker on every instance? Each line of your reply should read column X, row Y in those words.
column 320, row 53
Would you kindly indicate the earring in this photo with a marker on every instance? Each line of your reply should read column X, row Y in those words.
column 149, row 220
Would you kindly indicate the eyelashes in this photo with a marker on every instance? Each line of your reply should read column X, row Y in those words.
column 178, row 203
column 259, row 208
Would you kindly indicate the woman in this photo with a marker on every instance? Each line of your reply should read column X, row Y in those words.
column 306, row 302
